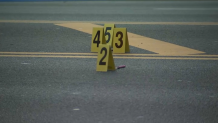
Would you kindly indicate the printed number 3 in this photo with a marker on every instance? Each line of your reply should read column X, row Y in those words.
column 120, row 39
column 105, row 53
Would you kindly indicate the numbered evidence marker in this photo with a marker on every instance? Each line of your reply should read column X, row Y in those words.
column 109, row 31
column 105, row 59
column 120, row 41
column 97, row 38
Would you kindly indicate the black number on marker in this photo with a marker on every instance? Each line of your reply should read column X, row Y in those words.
column 97, row 35
column 105, row 53
column 120, row 39
column 107, row 33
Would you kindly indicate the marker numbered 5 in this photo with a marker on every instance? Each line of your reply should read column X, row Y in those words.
column 109, row 31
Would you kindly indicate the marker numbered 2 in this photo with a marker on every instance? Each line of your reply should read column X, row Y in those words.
column 105, row 59
column 105, row 54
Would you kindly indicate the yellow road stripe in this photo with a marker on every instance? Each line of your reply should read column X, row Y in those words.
column 115, row 22
column 126, row 54
column 47, row 56
column 175, row 58
column 158, row 46
column 83, row 27
column 153, row 45
column 55, row 56
column 55, row 53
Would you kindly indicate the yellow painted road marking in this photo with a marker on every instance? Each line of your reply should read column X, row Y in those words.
column 158, row 46
column 153, row 45
column 48, row 56
column 142, row 42
column 126, row 54
column 55, row 53
column 115, row 22
column 83, row 27
column 117, row 57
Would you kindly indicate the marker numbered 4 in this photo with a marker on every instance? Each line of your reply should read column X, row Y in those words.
column 97, row 38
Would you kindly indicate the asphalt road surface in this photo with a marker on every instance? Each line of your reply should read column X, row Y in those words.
column 47, row 73
column 200, row 11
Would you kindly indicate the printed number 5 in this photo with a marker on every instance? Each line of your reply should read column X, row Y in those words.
column 107, row 33
column 105, row 53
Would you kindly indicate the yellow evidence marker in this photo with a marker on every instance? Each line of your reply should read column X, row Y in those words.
column 120, row 41
column 105, row 59
column 109, row 31
column 97, row 38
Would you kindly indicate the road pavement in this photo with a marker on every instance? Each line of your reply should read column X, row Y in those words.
column 180, row 11
column 47, row 73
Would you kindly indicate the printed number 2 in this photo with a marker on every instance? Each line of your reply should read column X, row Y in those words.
column 120, row 39
column 105, row 53
column 97, row 35
column 107, row 33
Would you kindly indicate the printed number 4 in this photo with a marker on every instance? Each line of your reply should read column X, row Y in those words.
column 97, row 36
